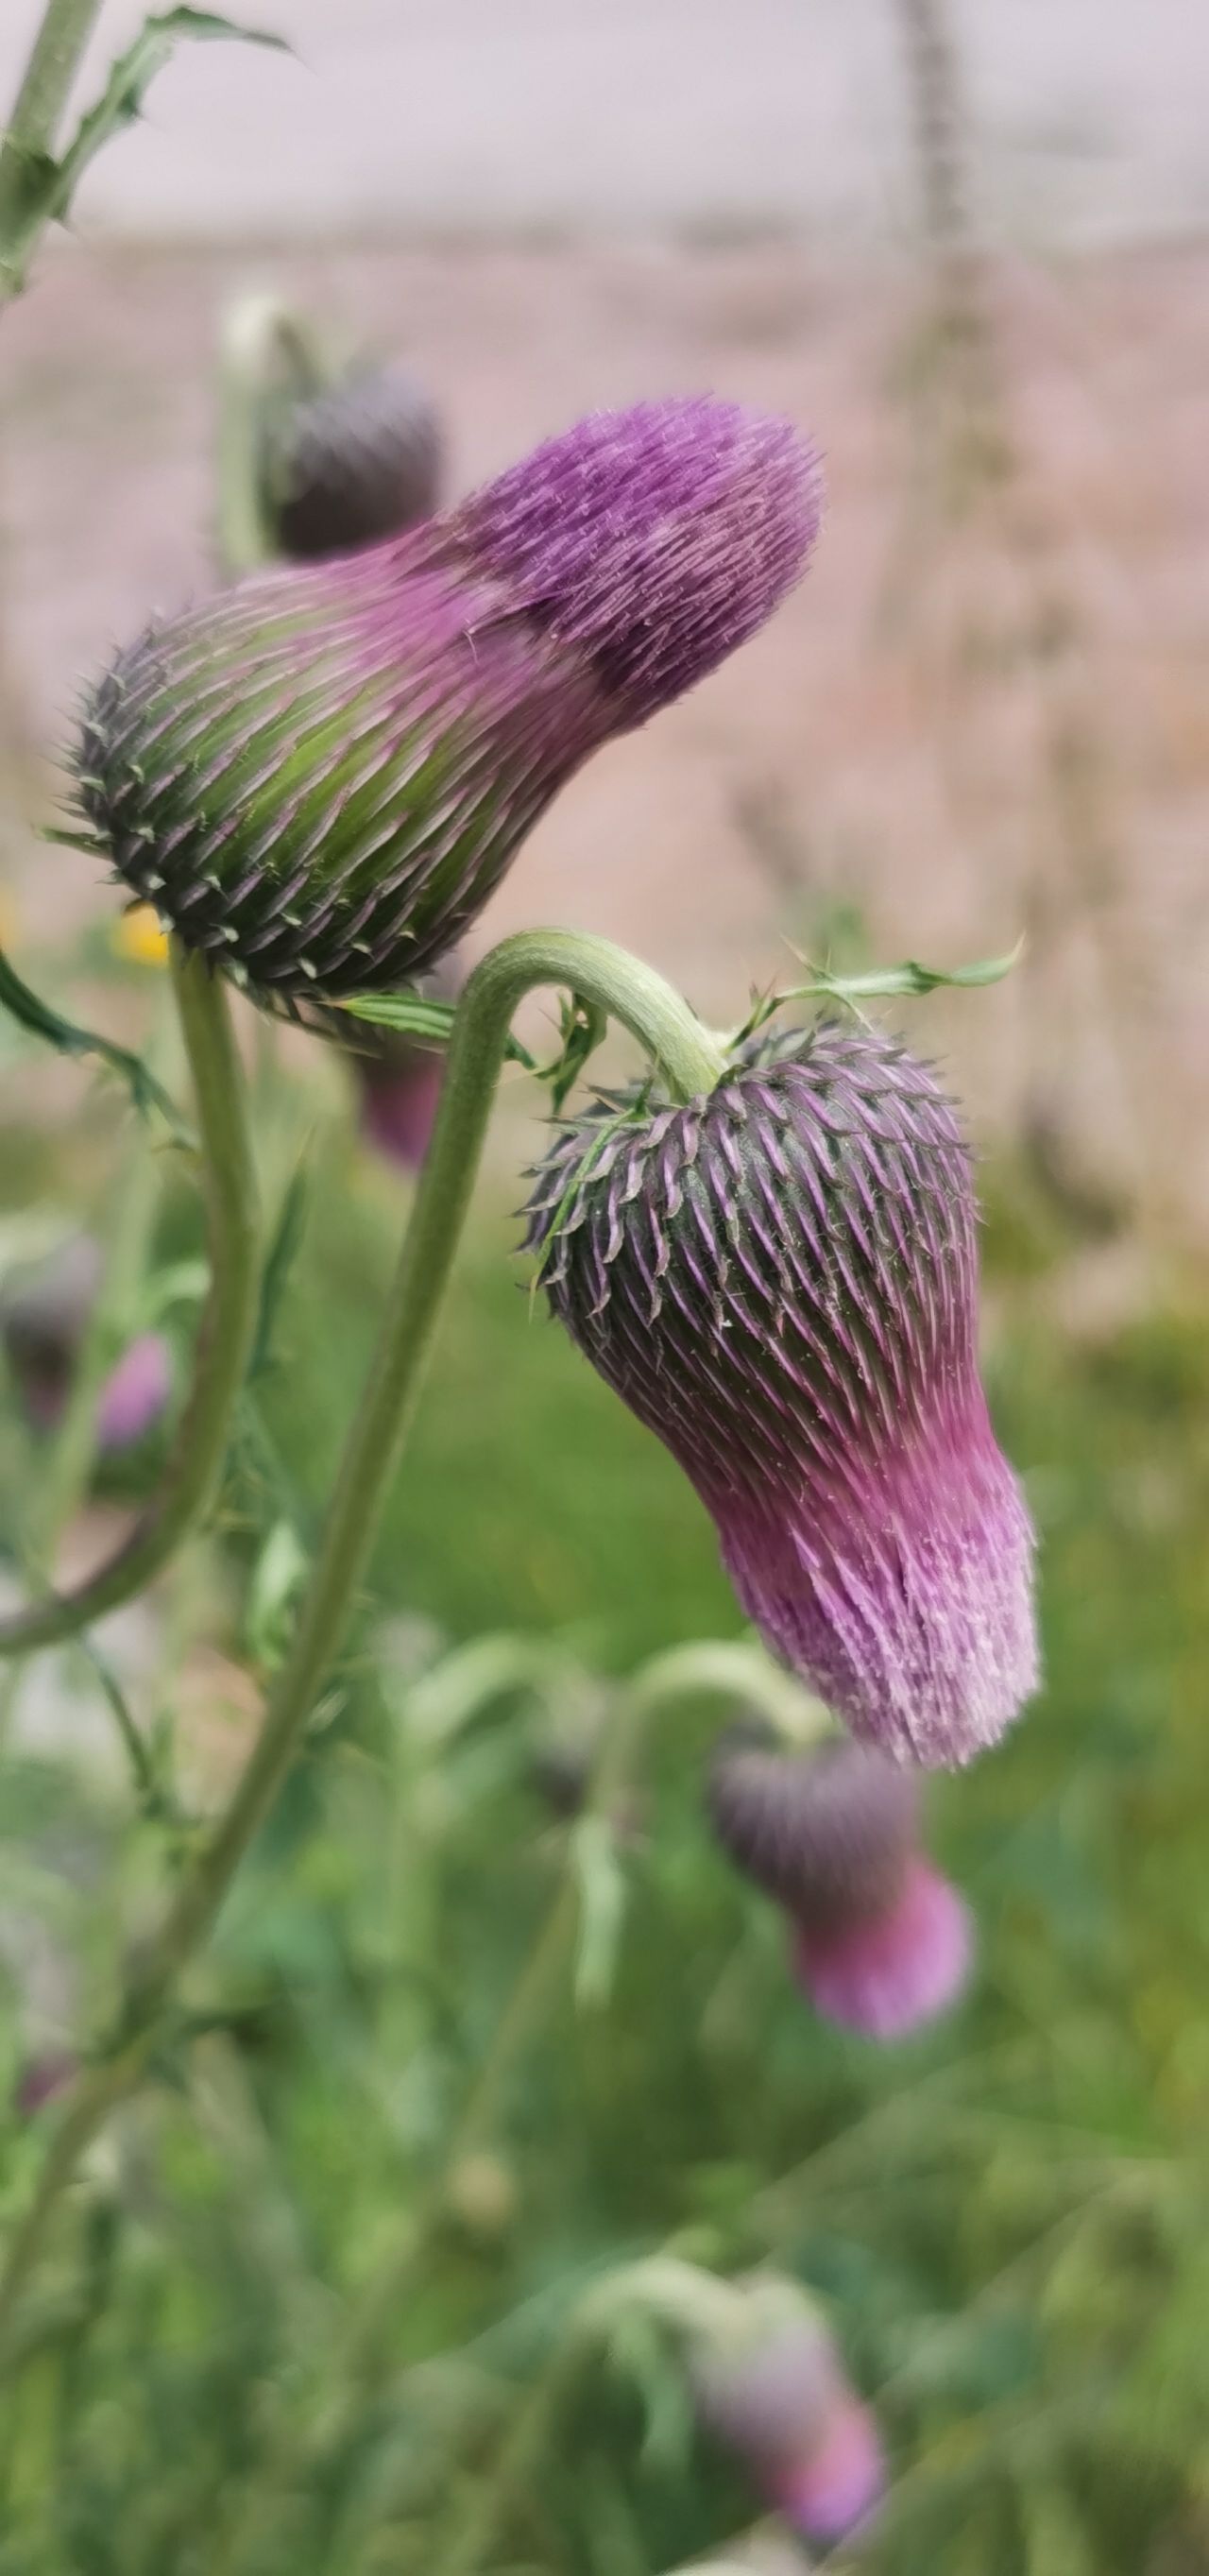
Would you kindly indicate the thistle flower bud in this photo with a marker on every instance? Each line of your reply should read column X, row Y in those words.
column 400, row 1079
column 44, row 1316
column 41, row 2079
column 881, row 1942
column 320, row 776
column 780, row 2401
column 780, row 1280
column 358, row 461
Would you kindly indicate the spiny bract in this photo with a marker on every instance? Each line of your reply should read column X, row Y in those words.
column 780, row 1280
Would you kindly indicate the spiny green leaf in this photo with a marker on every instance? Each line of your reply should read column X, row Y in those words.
column 583, row 1027
column 414, row 1015
column 37, row 1016
column 878, row 983
column 47, row 186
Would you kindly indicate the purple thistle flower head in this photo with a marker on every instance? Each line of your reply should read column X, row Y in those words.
column 320, row 776
column 886, row 1975
column 655, row 540
column 355, row 462
column 780, row 1280
column 881, row 1942
column 779, row 2400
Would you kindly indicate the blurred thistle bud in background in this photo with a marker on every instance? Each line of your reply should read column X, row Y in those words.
column 319, row 776
column 777, row 2397
column 134, row 1394
column 45, row 1313
column 780, row 1280
column 41, row 2079
column 350, row 463
column 881, row 1942
column 399, row 1078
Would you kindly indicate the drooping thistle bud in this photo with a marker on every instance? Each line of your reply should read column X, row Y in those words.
column 44, row 1315
column 320, row 776
column 359, row 460
column 779, row 2400
column 780, row 1280
column 881, row 1942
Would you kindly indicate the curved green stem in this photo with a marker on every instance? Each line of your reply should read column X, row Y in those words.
column 691, row 1063
column 225, row 1337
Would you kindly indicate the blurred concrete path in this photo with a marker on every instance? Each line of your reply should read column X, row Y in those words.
column 472, row 115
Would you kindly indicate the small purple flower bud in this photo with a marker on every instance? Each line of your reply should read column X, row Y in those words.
column 356, row 462
column 320, row 776
column 400, row 1083
column 43, row 1320
column 134, row 1393
column 836, row 2490
column 780, row 1280
column 881, row 1941
column 885, row 1976
column 400, row 1079
column 781, row 2403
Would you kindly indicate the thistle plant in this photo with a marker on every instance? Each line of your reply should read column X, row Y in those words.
column 766, row 1245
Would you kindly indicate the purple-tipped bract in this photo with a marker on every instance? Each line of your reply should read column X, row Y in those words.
column 319, row 777
column 780, row 1279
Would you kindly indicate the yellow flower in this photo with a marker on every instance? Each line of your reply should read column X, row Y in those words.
column 139, row 936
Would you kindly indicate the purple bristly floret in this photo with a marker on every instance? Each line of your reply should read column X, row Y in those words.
column 656, row 539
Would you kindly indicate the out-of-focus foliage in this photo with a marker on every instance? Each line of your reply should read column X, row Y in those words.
column 312, row 2303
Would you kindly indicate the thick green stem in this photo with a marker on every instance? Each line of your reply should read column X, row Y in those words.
column 663, row 1024
column 225, row 1336
column 50, row 71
